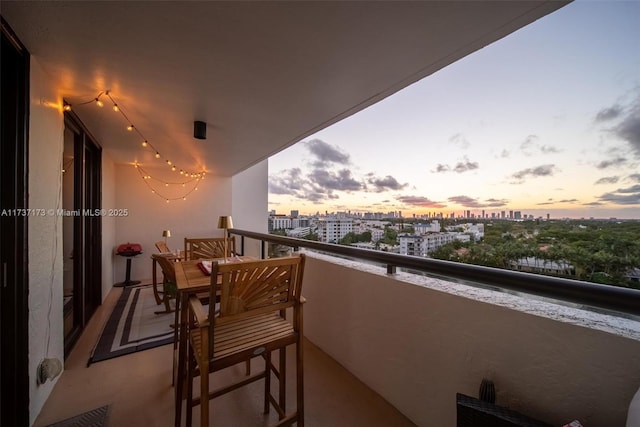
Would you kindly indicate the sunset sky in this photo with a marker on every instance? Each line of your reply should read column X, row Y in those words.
column 546, row 120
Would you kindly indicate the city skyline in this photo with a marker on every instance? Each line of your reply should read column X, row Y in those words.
column 544, row 121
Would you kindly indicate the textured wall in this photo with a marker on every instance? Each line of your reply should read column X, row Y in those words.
column 46, row 129
column 149, row 214
column 417, row 347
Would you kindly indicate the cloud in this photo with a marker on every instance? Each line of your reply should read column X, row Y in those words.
column 422, row 202
column 470, row 202
column 530, row 147
column 505, row 154
column 462, row 166
column 326, row 154
column 340, row 181
column 459, row 139
column 494, row 203
column 542, row 170
column 528, row 144
column 288, row 182
column 555, row 202
column 623, row 196
column 442, row 168
column 465, row 166
column 328, row 177
column 547, row 149
column 629, row 128
column 618, row 161
column 634, row 177
column 632, row 189
column 608, row 180
column 610, row 113
column 386, row 183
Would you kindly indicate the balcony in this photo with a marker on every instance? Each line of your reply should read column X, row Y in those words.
column 138, row 388
column 246, row 69
column 394, row 349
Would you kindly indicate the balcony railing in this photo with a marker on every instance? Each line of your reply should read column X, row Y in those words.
column 610, row 298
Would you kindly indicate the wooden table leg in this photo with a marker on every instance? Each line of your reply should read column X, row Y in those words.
column 155, row 281
column 181, row 313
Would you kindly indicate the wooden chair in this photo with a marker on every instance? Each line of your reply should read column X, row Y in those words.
column 210, row 247
column 165, row 251
column 169, row 287
column 249, row 322
column 162, row 247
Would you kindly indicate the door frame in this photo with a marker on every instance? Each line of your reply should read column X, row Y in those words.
column 14, row 272
column 87, row 229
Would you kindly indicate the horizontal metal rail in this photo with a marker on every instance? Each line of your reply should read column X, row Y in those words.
column 615, row 298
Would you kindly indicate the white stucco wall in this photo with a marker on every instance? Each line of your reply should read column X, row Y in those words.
column 250, row 203
column 149, row 214
column 417, row 346
column 46, row 129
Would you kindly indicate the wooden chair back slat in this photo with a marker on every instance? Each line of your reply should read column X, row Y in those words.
column 162, row 247
column 209, row 247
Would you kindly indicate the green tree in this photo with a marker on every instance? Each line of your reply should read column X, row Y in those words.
column 311, row 236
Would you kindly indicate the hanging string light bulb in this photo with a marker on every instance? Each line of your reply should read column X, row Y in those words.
column 147, row 178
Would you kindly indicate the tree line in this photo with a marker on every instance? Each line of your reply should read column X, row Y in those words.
column 599, row 251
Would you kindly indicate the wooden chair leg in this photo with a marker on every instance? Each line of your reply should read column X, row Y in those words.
column 154, row 281
column 267, row 380
column 299, row 384
column 203, row 364
column 190, row 376
column 282, row 384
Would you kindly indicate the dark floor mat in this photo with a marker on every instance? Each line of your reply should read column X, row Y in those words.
column 96, row 418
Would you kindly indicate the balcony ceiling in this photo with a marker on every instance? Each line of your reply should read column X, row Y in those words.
column 263, row 75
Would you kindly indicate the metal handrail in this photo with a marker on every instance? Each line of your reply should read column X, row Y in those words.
column 614, row 298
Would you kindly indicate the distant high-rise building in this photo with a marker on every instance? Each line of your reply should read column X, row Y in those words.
column 332, row 229
column 295, row 213
column 517, row 215
column 510, row 214
column 502, row 214
column 279, row 222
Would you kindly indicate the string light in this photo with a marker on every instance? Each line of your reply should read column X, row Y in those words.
column 149, row 180
column 145, row 144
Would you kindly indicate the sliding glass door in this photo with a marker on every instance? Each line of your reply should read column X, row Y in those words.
column 82, row 262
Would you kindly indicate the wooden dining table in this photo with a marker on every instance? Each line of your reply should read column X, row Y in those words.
column 190, row 281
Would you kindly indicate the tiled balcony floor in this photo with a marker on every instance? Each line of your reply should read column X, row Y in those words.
column 138, row 388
